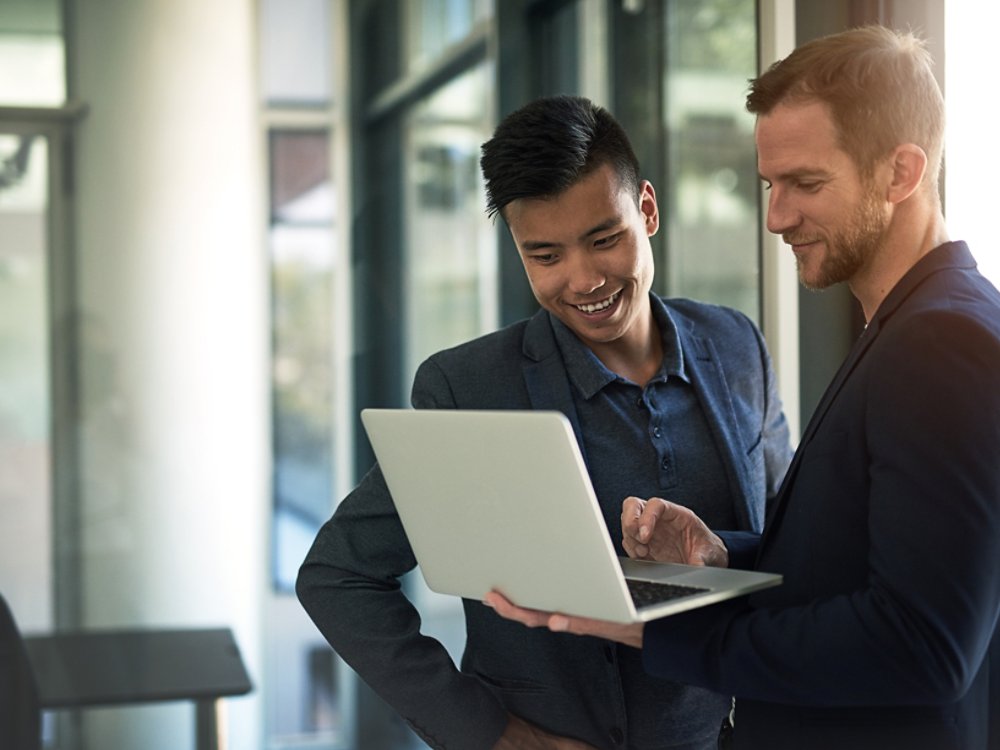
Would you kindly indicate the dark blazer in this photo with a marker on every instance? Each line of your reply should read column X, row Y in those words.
column 571, row 686
column 887, row 531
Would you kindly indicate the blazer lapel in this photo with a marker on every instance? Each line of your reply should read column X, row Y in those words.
column 949, row 255
column 545, row 373
column 713, row 393
column 853, row 357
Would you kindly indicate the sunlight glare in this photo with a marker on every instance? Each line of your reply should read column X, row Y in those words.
column 970, row 159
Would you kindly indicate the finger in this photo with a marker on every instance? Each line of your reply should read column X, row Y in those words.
column 651, row 514
column 630, row 635
column 508, row 610
column 561, row 623
column 631, row 512
column 635, row 549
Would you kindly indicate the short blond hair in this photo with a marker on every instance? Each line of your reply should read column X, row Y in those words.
column 879, row 85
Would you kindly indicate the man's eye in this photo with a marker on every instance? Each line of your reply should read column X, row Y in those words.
column 606, row 241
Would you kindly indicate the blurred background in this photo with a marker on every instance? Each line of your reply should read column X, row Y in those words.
column 227, row 226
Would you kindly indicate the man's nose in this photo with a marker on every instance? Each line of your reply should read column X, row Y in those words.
column 585, row 275
column 782, row 217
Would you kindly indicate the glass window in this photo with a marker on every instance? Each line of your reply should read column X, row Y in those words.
column 303, row 695
column 709, row 201
column 296, row 45
column 434, row 25
column 303, row 255
column 450, row 268
column 306, row 686
column 32, row 54
column 451, row 276
column 25, row 440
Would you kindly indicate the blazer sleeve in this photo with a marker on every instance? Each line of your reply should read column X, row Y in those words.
column 777, row 441
column 918, row 629
column 742, row 547
column 349, row 585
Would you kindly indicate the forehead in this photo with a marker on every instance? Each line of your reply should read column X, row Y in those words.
column 595, row 197
column 798, row 137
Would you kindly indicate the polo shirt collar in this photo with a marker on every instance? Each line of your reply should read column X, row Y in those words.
column 589, row 375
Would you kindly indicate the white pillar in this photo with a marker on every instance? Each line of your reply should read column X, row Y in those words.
column 172, row 285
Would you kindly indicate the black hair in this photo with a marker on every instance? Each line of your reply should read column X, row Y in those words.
column 548, row 145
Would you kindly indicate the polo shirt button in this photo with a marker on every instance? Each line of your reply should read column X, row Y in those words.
column 657, row 432
column 665, row 463
column 617, row 735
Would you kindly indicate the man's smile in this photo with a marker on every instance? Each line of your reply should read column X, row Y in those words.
column 599, row 306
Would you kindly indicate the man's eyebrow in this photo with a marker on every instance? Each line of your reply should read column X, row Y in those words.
column 603, row 226
column 798, row 174
column 537, row 245
column 597, row 229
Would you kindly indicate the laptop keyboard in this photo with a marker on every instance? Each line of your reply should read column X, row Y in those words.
column 645, row 593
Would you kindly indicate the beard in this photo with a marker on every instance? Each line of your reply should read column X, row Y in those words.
column 851, row 249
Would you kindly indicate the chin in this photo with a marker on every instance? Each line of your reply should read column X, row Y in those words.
column 812, row 278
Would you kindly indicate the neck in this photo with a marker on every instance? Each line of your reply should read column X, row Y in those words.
column 914, row 231
column 636, row 357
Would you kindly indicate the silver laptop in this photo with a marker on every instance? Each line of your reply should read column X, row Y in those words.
column 502, row 500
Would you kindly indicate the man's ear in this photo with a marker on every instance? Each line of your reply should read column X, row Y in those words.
column 908, row 163
column 648, row 208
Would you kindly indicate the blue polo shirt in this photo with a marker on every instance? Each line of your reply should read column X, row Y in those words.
column 650, row 441
column 647, row 441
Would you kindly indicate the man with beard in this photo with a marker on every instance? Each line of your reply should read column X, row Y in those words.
column 887, row 526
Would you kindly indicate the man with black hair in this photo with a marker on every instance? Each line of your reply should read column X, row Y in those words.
column 666, row 397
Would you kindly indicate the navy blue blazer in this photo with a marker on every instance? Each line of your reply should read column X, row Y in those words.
column 887, row 532
column 568, row 685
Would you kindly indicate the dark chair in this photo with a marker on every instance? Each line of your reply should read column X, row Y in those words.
column 20, row 715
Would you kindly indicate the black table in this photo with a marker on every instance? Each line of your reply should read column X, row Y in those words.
column 119, row 667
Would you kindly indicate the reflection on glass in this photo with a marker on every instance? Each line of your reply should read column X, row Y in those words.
column 303, row 255
column 451, row 275
column 436, row 24
column 25, row 453
column 295, row 44
column 303, row 703
column 711, row 208
column 451, row 268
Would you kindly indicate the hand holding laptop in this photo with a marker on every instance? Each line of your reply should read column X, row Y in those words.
column 656, row 529
column 629, row 634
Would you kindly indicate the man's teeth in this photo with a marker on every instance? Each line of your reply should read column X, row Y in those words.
column 598, row 306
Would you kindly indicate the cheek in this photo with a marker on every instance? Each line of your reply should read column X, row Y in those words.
column 541, row 283
column 644, row 266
